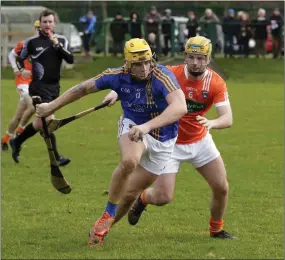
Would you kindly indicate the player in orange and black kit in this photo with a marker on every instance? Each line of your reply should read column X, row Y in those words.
column 202, row 88
column 25, row 108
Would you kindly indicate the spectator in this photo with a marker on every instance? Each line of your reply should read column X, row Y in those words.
column 276, row 22
column 167, row 27
column 135, row 26
column 209, row 24
column 230, row 30
column 239, row 15
column 260, row 32
column 152, row 39
column 118, row 29
column 245, row 34
column 192, row 24
column 89, row 22
column 152, row 21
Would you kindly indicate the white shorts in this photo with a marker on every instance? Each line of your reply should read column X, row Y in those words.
column 198, row 154
column 157, row 153
column 23, row 90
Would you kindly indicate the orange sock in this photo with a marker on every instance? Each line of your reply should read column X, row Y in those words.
column 216, row 225
column 20, row 130
column 6, row 138
column 143, row 198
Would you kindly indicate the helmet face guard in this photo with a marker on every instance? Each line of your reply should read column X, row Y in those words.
column 196, row 64
column 141, row 70
column 197, row 55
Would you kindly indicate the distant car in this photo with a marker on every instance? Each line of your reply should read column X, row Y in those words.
column 72, row 35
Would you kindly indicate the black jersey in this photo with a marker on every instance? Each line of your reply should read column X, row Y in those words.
column 46, row 58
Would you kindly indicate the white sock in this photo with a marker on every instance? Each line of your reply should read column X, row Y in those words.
column 9, row 133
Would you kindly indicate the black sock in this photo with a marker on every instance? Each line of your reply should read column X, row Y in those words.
column 26, row 134
column 53, row 142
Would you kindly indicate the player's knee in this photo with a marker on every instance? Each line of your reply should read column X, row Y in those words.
column 163, row 198
column 221, row 189
column 37, row 124
column 128, row 164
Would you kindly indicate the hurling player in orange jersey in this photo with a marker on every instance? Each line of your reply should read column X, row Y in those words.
column 202, row 88
column 25, row 107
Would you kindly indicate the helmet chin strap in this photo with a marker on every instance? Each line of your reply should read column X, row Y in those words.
column 135, row 77
column 196, row 73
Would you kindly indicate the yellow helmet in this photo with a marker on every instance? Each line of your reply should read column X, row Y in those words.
column 199, row 45
column 137, row 50
column 37, row 24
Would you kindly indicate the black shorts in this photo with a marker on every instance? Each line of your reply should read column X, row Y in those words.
column 47, row 92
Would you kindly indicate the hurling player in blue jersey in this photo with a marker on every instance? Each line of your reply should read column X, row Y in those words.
column 152, row 103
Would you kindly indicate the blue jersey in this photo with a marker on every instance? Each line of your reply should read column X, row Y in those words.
column 142, row 101
column 89, row 23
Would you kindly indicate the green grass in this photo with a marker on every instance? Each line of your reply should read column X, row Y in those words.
column 40, row 223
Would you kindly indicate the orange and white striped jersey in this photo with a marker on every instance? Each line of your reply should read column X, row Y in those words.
column 200, row 96
column 27, row 64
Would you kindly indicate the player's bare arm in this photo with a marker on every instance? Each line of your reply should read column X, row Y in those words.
column 224, row 119
column 12, row 59
column 176, row 109
column 69, row 96
column 111, row 98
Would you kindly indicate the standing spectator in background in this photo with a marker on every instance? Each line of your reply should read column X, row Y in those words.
column 229, row 29
column 118, row 29
column 89, row 22
column 192, row 24
column 152, row 21
column 152, row 44
column 260, row 32
column 209, row 24
column 276, row 22
column 135, row 26
column 166, row 26
column 239, row 15
column 245, row 34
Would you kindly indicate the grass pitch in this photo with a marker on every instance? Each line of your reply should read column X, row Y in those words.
column 40, row 223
